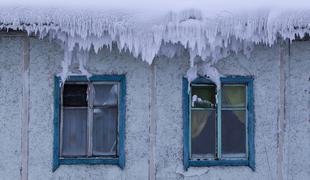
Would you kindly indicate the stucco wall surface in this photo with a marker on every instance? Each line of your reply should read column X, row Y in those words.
column 297, row 113
column 263, row 65
column 11, row 59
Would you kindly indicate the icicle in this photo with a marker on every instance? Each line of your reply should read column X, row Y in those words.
column 212, row 73
column 65, row 64
column 191, row 73
column 83, row 58
column 208, row 36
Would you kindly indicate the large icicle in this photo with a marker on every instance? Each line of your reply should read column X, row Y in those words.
column 142, row 32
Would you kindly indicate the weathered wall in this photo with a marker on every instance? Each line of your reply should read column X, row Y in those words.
column 45, row 59
column 11, row 59
column 297, row 113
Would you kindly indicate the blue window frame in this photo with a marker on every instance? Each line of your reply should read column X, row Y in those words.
column 89, row 120
column 218, row 123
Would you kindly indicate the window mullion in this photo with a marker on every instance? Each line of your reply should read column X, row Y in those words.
column 246, row 124
column 61, row 120
column 90, row 119
column 219, row 124
column 190, row 123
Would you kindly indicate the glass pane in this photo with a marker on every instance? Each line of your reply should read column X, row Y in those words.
column 233, row 133
column 203, row 133
column 74, row 132
column 75, row 95
column 203, row 96
column 233, row 96
column 105, row 131
column 105, row 94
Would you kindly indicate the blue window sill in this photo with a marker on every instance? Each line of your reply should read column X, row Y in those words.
column 90, row 161
column 207, row 163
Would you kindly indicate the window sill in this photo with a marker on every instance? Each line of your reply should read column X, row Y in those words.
column 208, row 163
column 90, row 161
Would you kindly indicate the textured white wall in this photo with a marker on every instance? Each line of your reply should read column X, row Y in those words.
column 11, row 59
column 45, row 59
column 297, row 112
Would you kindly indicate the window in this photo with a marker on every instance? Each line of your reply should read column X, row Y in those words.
column 218, row 124
column 89, row 120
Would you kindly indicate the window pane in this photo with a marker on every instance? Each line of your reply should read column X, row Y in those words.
column 74, row 132
column 75, row 95
column 233, row 96
column 203, row 96
column 203, row 133
column 233, row 133
column 105, row 131
column 105, row 94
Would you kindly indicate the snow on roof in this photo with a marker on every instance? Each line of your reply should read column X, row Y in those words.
column 210, row 29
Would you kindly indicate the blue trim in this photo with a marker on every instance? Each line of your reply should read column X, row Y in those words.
column 251, row 125
column 122, row 117
column 97, row 78
column 185, row 124
column 77, row 78
column 219, row 123
column 202, row 80
column 120, row 161
column 57, row 88
column 248, row 80
column 236, row 79
column 120, row 78
column 89, row 161
column 219, row 163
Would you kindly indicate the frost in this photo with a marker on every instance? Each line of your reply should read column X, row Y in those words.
column 208, row 31
column 191, row 73
column 212, row 73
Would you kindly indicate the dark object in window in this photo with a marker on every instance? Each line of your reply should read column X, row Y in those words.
column 75, row 95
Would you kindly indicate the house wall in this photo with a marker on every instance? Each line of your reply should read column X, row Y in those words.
column 11, row 56
column 154, row 97
column 297, row 113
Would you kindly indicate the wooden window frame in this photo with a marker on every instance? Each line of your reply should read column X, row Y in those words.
column 91, row 160
column 218, row 161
